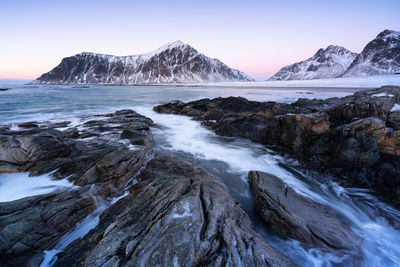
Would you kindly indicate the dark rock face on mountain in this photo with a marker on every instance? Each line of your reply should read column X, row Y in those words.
column 326, row 63
column 355, row 137
column 380, row 56
column 93, row 152
column 171, row 64
column 298, row 217
column 177, row 214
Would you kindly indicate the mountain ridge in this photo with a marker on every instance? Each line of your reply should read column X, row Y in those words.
column 329, row 62
column 379, row 57
column 173, row 63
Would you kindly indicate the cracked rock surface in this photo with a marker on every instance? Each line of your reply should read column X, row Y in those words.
column 176, row 214
column 91, row 152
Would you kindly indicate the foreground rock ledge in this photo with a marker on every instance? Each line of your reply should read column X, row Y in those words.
column 298, row 217
column 177, row 214
column 357, row 137
column 99, row 155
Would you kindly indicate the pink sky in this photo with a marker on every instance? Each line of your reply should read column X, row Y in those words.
column 256, row 37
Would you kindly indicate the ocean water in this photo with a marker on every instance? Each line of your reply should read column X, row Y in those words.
column 227, row 158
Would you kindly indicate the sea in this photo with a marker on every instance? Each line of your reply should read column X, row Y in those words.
column 229, row 159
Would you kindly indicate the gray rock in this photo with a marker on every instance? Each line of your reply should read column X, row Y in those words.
column 94, row 158
column 298, row 217
column 176, row 214
column 30, row 225
column 351, row 137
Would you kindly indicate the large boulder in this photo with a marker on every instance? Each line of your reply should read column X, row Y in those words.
column 177, row 215
column 368, row 103
column 295, row 216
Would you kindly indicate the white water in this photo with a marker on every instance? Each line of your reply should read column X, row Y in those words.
column 381, row 242
column 227, row 158
column 19, row 185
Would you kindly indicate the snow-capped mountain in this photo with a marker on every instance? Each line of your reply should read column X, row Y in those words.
column 380, row 56
column 176, row 62
column 326, row 63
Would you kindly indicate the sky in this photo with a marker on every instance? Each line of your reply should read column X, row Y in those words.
column 256, row 37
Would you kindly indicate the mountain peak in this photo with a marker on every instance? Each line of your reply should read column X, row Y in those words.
column 326, row 63
column 388, row 32
column 176, row 44
column 175, row 62
column 381, row 56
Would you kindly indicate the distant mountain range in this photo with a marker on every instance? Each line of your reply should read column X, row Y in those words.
column 174, row 63
column 380, row 56
column 179, row 63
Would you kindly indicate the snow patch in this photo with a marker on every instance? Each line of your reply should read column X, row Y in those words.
column 396, row 107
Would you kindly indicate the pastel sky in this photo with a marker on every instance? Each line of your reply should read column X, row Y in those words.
column 257, row 37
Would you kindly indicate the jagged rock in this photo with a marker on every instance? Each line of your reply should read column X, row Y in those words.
column 349, row 136
column 92, row 155
column 367, row 103
column 174, row 63
column 30, row 225
column 298, row 217
column 295, row 132
column 105, row 160
column 177, row 214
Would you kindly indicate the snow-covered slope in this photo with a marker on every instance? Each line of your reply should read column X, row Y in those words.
column 380, row 56
column 176, row 62
column 326, row 63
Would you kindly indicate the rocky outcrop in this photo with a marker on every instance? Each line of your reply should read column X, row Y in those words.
column 177, row 214
column 355, row 137
column 326, row 63
column 173, row 63
column 98, row 154
column 33, row 224
column 295, row 216
column 380, row 56
column 105, row 150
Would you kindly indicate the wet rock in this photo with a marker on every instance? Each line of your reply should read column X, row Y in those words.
column 30, row 225
column 28, row 125
column 177, row 214
column 393, row 120
column 94, row 154
column 295, row 132
column 91, row 155
column 295, row 216
column 368, row 103
column 350, row 137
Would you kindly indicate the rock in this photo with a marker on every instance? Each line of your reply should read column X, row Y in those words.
column 28, row 125
column 30, row 225
column 295, row 132
column 91, row 155
column 104, row 160
column 367, row 103
column 295, row 216
column 354, row 137
column 177, row 214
